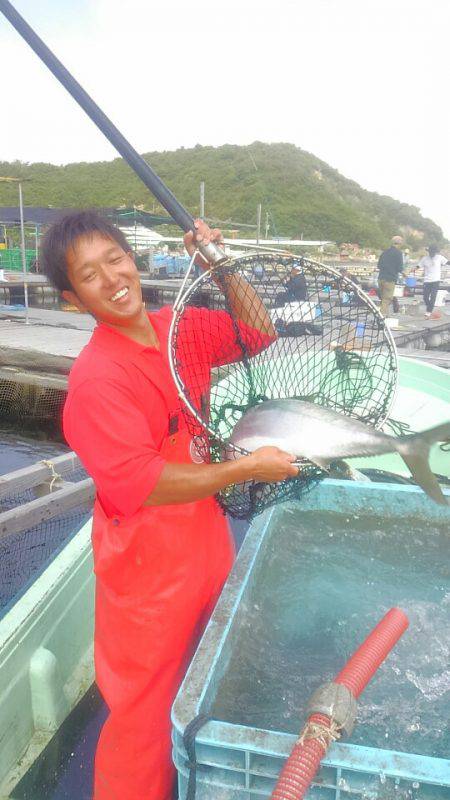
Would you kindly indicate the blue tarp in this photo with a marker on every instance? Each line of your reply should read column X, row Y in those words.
column 174, row 265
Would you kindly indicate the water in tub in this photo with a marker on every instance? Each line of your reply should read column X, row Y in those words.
column 322, row 585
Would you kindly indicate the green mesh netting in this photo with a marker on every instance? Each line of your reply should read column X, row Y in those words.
column 332, row 348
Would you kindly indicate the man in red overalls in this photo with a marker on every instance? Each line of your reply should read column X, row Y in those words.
column 162, row 547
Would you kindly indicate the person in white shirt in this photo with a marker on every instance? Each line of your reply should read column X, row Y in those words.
column 431, row 264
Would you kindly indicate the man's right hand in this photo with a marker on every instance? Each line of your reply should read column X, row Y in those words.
column 186, row 483
column 270, row 464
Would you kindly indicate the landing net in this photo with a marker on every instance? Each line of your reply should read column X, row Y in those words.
column 331, row 347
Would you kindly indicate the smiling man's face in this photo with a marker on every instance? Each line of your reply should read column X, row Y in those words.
column 104, row 280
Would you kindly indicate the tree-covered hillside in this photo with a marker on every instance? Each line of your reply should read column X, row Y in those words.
column 302, row 195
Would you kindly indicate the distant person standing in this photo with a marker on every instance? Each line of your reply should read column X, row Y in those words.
column 431, row 264
column 390, row 264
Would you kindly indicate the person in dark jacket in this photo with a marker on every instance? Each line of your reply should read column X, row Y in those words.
column 296, row 288
column 390, row 265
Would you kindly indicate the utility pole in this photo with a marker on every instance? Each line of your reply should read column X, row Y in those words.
column 258, row 223
column 202, row 200
column 266, row 231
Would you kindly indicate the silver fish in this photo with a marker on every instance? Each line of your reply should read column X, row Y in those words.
column 323, row 436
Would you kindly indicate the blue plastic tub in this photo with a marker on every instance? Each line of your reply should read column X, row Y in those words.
column 241, row 761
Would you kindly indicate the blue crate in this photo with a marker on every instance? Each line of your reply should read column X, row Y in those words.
column 242, row 763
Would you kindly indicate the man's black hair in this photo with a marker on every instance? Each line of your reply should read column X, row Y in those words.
column 64, row 234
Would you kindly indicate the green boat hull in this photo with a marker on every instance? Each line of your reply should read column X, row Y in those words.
column 422, row 401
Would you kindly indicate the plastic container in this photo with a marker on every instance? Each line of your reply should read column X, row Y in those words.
column 239, row 762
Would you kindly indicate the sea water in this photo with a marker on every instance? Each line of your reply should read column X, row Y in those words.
column 321, row 586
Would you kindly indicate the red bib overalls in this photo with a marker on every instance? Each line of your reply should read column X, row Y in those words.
column 159, row 575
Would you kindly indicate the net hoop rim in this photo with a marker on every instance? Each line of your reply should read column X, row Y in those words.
column 178, row 309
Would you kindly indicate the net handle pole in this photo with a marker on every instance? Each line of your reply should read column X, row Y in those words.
column 143, row 170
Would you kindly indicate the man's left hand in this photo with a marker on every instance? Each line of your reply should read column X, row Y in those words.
column 203, row 234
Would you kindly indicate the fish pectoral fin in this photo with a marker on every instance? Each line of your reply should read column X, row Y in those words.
column 343, row 471
column 340, row 469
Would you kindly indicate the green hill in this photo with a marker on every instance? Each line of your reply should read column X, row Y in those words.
column 302, row 195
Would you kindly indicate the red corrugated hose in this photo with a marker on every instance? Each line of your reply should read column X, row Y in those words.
column 321, row 730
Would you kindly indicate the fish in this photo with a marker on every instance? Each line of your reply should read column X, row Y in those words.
column 323, row 436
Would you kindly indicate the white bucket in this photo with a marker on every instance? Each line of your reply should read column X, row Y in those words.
column 440, row 297
column 391, row 322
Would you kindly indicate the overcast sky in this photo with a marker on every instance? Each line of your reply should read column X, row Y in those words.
column 362, row 84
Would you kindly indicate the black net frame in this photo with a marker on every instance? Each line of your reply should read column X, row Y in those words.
column 332, row 348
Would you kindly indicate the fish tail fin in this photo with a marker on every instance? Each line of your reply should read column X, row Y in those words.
column 415, row 451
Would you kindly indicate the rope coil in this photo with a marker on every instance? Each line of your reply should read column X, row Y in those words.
column 55, row 476
column 323, row 734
